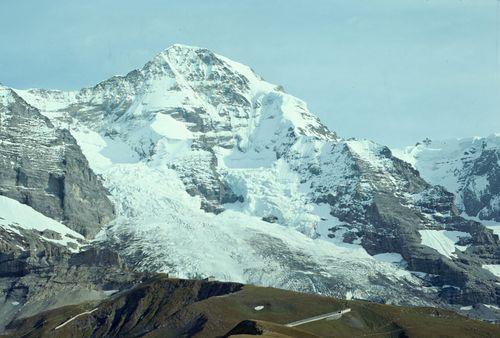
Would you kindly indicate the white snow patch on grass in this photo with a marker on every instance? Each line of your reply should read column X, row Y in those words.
column 259, row 308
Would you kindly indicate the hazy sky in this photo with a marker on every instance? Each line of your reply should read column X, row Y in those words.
column 394, row 71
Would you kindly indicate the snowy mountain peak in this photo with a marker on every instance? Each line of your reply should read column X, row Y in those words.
column 5, row 95
column 215, row 171
column 201, row 63
column 228, row 88
column 210, row 95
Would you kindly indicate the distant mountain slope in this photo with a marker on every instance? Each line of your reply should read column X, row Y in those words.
column 214, row 171
column 468, row 167
column 166, row 307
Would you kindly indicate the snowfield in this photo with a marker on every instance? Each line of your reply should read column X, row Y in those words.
column 158, row 217
column 493, row 268
column 443, row 241
column 17, row 216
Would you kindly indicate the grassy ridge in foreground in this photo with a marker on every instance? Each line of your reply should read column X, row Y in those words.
column 165, row 307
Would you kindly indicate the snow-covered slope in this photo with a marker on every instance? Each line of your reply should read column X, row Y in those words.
column 468, row 167
column 214, row 171
column 15, row 217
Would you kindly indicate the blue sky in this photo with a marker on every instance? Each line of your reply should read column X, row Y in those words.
column 395, row 71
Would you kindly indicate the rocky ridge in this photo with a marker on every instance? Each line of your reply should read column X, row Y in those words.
column 42, row 166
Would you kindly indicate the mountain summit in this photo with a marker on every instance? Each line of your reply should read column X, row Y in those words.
column 214, row 171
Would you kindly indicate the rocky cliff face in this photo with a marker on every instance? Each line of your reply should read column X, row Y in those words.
column 44, row 275
column 216, row 172
column 44, row 173
column 48, row 276
column 390, row 208
column 43, row 167
column 44, row 264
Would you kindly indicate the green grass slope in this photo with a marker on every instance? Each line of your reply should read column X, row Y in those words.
column 164, row 307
